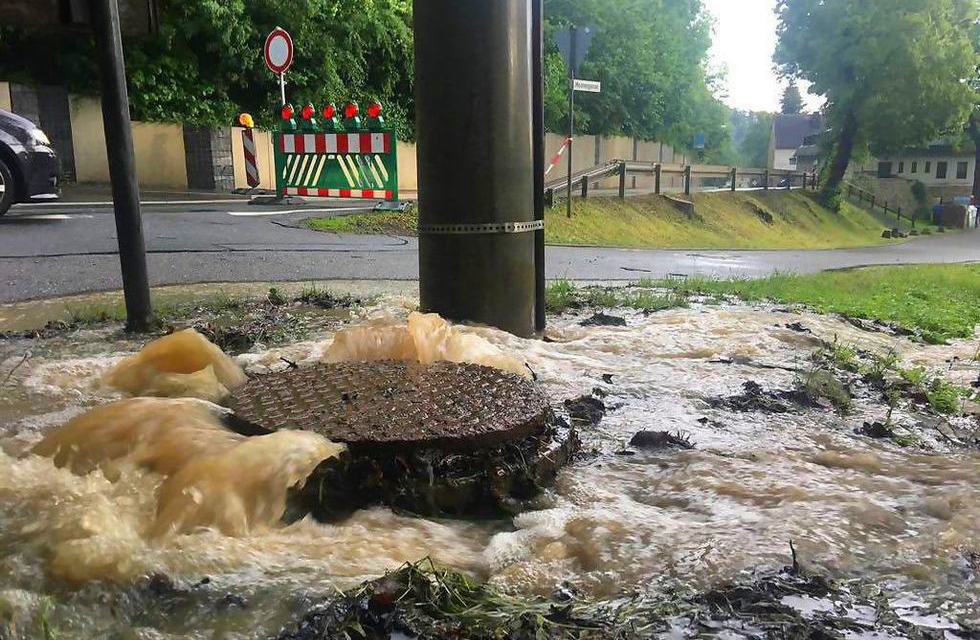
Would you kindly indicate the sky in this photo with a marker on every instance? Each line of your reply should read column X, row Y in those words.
column 744, row 39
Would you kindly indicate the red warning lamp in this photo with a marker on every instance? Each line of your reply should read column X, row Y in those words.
column 307, row 111
column 287, row 112
column 374, row 109
column 329, row 110
column 350, row 110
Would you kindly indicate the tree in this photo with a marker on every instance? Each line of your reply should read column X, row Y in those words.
column 651, row 57
column 792, row 101
column 973, row 125
column 751, row 131
column 893, row 71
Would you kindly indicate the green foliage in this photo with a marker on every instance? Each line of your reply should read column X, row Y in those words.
column 820, row 384
column 938, row 301
column 843, row 356
column 751, row 131
column 792, row 101
column 944, row 397
column 650, row 56
column 559, row 295
column 893, row 71
column 205, row 63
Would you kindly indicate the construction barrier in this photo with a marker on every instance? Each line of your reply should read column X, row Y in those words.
column 347, row 160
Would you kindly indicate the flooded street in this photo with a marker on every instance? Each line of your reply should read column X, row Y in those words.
column 79, row 553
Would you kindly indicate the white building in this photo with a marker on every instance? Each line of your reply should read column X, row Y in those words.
column 788, row 134
column 937, row 166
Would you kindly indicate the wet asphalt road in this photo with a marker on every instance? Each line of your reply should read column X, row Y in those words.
column 57, row 249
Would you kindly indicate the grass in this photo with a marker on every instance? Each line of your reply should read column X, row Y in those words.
column 397, row 223
column 562, row 295
column 939, row 302
column 741, row 220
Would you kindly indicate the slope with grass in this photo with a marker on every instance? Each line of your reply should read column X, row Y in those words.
column 741, row 220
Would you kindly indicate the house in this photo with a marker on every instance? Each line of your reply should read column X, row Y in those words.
column 789, row 132
column 938, row 165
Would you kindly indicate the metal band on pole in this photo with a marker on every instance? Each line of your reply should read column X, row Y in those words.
column 485, row 227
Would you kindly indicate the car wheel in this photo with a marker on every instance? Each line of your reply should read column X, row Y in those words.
column 6, row 187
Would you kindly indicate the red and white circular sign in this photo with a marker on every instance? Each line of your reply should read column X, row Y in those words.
column 278, row 50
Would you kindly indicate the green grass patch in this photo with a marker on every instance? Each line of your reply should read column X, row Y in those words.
column 399, row 223
column 562, row 295
column 741, row 220
column 937, row 301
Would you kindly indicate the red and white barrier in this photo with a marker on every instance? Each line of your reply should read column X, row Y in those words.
column 558, row 154
column 335, row 143
column 251, row 167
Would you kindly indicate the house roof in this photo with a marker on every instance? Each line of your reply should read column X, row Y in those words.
column 789, row 130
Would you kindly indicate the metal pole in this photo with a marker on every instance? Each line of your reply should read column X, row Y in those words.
column 122, row 164
column 687, row 180
column 658, row 170
column 573, row 36
column 537, row 117
column 734, row 177
column 476, row 200
column 282, row 87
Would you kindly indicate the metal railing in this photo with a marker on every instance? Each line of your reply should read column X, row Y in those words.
column 751, row 178
column 864, row 197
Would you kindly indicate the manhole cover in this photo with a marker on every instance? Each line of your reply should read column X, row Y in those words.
column 445, row 405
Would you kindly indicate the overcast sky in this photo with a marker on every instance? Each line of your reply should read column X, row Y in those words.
column 744, row 41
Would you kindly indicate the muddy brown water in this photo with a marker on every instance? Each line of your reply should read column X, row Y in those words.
column 75, row 554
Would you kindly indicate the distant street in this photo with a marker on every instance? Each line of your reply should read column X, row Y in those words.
column 64, row 248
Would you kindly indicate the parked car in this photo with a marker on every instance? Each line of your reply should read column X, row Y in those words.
column 28, row 164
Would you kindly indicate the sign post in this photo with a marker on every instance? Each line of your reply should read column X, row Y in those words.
column 573, row 43
column 278, row 52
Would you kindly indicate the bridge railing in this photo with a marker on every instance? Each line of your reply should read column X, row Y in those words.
column 693, row 178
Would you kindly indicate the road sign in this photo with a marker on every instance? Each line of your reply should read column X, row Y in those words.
column 699, row 141
column 589, row 86
column 278, row 50
column 574, row 42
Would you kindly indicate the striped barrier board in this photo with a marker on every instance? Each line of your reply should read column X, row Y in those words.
column 251, row 167
column 337, row 165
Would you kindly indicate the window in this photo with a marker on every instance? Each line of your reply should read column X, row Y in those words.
column 901, row 167
column 928, row 166
column 941, row 170
column 961, row 168
column 915, row 167
column 884, row 169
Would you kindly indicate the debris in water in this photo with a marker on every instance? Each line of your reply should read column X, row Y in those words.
column 182, row 364
column 604, row 320
column 426, row 338
column 660, row 440
column 586, row 409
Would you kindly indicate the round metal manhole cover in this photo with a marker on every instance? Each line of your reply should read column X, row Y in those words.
column 444, row 405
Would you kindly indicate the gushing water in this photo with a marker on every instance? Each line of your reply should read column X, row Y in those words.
column 132, row 497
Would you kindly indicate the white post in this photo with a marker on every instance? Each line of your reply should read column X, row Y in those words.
column 282, row 87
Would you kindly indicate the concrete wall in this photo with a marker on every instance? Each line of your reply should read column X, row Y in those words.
column 159, row 148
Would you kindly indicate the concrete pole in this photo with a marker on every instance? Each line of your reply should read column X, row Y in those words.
column 122, row 163
column 475, row 161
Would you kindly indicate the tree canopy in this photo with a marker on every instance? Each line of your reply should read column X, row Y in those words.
column 651, row 57
column 792, row 101
column 893, row 71
column 205, row 64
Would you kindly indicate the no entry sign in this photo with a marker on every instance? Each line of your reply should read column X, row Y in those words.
column 278, row 50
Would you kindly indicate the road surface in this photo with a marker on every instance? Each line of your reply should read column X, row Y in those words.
column 64, row 248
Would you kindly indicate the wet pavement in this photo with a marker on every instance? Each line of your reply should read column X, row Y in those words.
column 59, row 249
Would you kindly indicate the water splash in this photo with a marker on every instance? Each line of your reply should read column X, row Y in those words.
column 426, row 338
column 182, row 364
